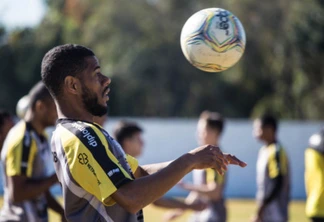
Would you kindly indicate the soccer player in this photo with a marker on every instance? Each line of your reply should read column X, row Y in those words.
column 93, row 169
column 208, row 186
column 273, row 182
column 26, row 157
column 314, row 177
column 6, row 123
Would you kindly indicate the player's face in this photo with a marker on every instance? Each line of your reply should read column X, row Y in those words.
column 206, row 135
column 48, row 112
column 95, row 88
column 258, row 131
column 134, row 145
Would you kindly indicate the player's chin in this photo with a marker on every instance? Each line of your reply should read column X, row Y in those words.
column 105, row 100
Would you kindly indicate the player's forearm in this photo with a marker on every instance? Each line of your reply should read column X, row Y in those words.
column 211, row 191
column 171, row 203
column 31, row 188
column 153, row 168
column 137, row 194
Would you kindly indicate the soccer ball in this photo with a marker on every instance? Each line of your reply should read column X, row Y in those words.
column 213, row 39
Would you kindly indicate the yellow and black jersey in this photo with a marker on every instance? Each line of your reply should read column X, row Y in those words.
column 91, row 166
column 272, row 166
column 216, row 210
column 314, row 182
column 25, row 153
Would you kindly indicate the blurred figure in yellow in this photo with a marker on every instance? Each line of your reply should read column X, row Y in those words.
column 273, row 176
column 208, row 186
column 26, row 157
column 130, row 136
column 6, row 122
column 314, row 177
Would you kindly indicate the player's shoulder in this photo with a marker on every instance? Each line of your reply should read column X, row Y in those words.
column 316, row 141
column 16, row 134
column 17, row 138
column 84, row 131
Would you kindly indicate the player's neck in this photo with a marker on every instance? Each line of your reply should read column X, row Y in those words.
column 270, row 141
column 73, row 111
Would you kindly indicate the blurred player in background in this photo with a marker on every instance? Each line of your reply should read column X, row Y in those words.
column 6, row 123
column 208, row 186
column 130, row 136
column 101, row 183
column 26, row 157
column 273, row 175
column 314, row 177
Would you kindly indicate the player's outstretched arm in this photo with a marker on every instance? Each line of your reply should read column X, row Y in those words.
column 137, row 194
column 153, row 168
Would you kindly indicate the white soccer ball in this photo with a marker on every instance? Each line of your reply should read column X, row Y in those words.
column 213, row 39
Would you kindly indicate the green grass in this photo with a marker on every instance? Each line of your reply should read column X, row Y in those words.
column 239, row 210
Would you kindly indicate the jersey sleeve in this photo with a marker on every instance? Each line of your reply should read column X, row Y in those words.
column 277, row 162
column 91, row 164
column 313, row 170
column 20, row 156
column 213, row 176
column 132, row 161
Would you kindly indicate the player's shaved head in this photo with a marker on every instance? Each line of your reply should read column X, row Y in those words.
column 213, row 120
column 62, row 61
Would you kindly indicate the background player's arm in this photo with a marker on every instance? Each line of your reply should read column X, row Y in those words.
column 54, row 205
column 23, row 188
column 212, row 190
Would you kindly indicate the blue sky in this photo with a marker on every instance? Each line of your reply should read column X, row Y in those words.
column 19, row 13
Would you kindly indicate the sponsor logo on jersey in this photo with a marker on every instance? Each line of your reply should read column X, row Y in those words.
column 86, row 134
column 113, row 171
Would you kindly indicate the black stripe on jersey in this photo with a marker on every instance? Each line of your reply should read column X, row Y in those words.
column 278, row 148
column 92, row 141
column 26, row 150
column 140, row 216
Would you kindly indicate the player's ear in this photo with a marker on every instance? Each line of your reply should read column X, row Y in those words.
column 39, row 106
column 72, row 85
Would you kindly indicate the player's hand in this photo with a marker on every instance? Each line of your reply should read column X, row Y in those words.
column 209, row 156
column 231, row 159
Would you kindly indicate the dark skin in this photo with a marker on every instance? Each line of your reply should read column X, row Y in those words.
column 140, row 192
column 42, row 115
